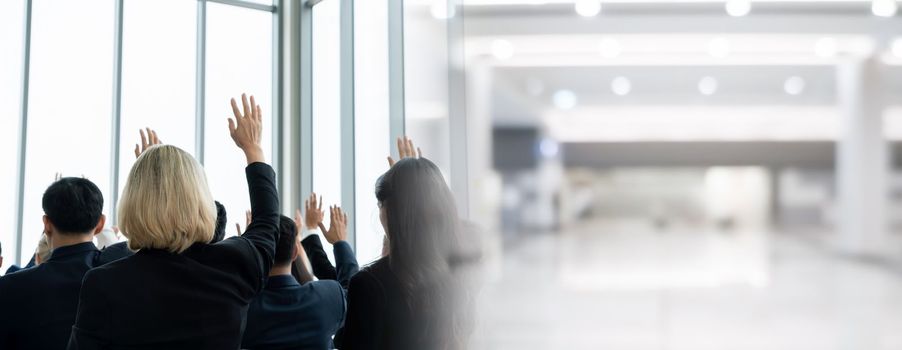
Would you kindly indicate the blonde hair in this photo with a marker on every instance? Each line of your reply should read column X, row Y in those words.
column 166, row 203
column 42, row 253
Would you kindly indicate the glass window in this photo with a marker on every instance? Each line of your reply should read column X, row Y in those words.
column 327, row 103
column 12, row 14
column 426, row 79
column 69, row 103
column 239, row 60
column 158, row 75
column 372, row 138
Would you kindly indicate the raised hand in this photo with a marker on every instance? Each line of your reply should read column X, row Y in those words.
column 247, row 222
column 313, row 211
column 247, row 129
column 338, row 225
column 406, row 149
column 147, row 140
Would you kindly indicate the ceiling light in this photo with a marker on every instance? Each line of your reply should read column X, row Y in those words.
column 609, row 48
column 587, row 8
column 825, row 47
column 738, row 8
column 564, row 99
column 794, row 85
column 549, row 148
column 621, row 86
column 502, row 49
column 707, row 86
column 441, row 10
column 719, row 47
column 884, row 8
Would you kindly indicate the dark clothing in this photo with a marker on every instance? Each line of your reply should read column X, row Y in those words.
column 191, row 300
column 14, row 268
column 289, row 315
column 38, row 304
column 378, row 315
column 319, row 261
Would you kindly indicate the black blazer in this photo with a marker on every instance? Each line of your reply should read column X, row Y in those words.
column 319, row 261
column 193, row 300
column 288, row 315
column 379, row 316
column 38, row 304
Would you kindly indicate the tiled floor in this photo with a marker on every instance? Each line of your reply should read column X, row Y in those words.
column 608, row 285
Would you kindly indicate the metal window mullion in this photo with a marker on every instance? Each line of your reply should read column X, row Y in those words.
column 247, row 5
column 306, row 100
column 395, row 70
column 276, row 115
column 23, row 133
column 200, row 81
column 117, row 112
column 346, row 80
column 457, row 109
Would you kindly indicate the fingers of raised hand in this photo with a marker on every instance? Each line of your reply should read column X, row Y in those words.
column 246, row 106
column 247, row 217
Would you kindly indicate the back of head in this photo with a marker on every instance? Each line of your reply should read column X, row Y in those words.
column 73, row 205
column 286, row 245
column 423, row 228
column 222, row 220
column 166, row 203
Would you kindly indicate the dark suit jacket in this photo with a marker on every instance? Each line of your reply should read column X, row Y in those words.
column 319, row 261
column 288, row 315
column 379, row 316
column 38, row 304
column 195, row 300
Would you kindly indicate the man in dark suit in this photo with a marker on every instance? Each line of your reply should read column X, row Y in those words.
column 39, row 303
column 290, row 315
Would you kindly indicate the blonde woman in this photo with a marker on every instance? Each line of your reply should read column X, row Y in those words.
column 179, row 291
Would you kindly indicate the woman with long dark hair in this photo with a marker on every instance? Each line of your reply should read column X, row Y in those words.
column 412, row 298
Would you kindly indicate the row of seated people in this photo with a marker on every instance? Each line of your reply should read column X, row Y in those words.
column 176, row 283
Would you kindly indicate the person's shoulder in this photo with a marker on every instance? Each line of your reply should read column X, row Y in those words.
column 114, row 252
column 369, row 277
column 324, row 288
column 113, row 267
column 25, row 274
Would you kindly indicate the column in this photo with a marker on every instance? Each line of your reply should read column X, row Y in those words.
column 862, row 162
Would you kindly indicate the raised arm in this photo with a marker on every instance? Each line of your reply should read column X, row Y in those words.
column 313, row 218
column 345, row 262
column 246, row 130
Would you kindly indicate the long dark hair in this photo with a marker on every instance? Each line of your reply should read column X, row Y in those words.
column 423, row 230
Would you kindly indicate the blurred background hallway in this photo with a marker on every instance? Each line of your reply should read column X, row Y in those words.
column 622, row 284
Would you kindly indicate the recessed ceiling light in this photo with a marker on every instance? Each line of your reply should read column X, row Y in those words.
column 794, row 85
column 502, row 49
column 621, row 86
column 564, row 99
column 549, row 148
column 738, row 8
column 707, row 86
column 587, row 8
column 884, row 8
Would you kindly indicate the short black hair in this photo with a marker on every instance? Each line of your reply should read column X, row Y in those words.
column 73, row 205
column 285, row 245
column 221, row 221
